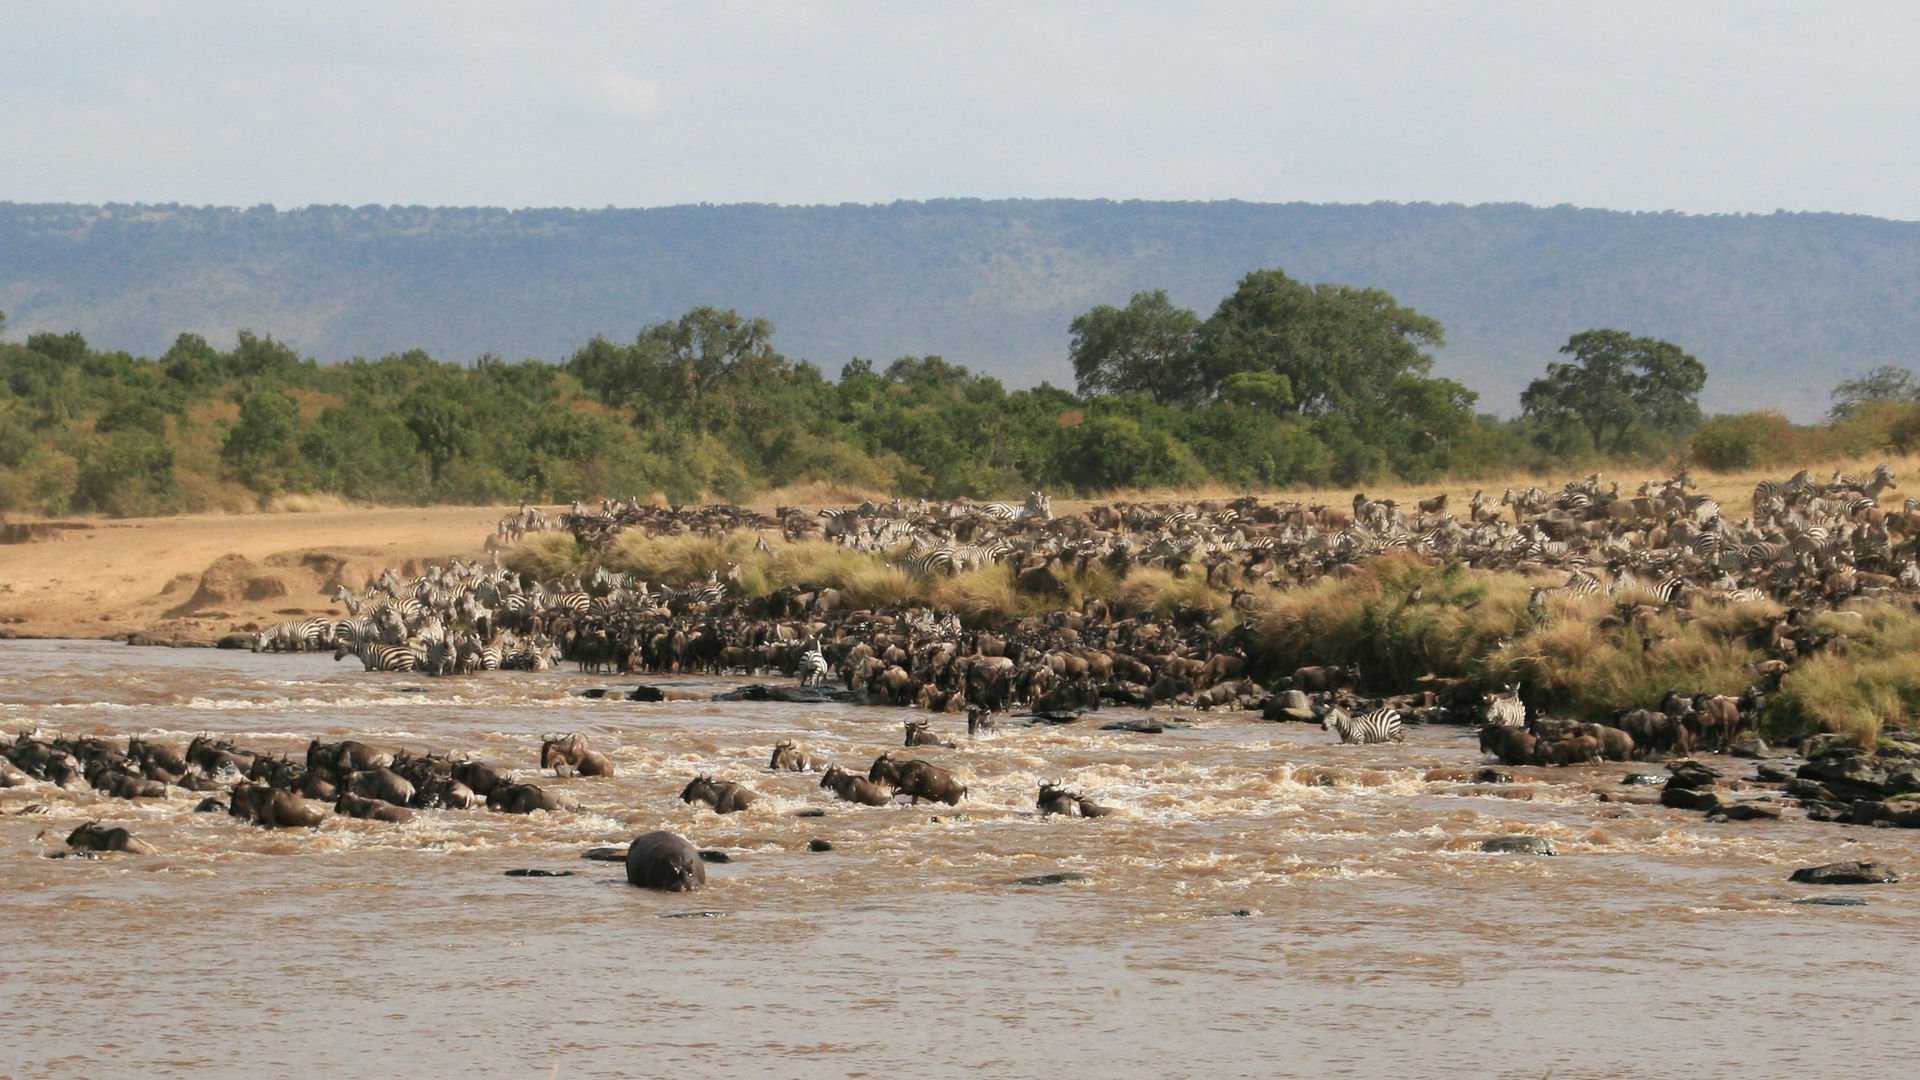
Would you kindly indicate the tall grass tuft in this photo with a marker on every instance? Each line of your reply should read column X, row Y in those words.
column 547, row 555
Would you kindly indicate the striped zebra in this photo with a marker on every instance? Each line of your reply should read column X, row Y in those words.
column 939, row 560
column 376, row 656
column 1507, row 710
column 813, row 666
column 1378, row 726
column 299, row 635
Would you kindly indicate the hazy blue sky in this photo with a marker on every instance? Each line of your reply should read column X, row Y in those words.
column 1696, row 107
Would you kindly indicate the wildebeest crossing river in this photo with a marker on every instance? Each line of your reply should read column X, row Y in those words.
column 1265, row 903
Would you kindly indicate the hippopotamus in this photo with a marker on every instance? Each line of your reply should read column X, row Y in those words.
column 917, row 779
column 724, row 796
column 91, row 837
column 788, row 757
column 572, row 751
column 850, row 788
column 661, row 860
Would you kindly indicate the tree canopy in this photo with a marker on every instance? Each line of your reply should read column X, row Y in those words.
column 1340, row 348
column 1884, row 383
column 1617, row 387
column 1148, row 347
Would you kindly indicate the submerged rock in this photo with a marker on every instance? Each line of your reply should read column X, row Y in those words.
column 1846, row 873
column 1059, row 877
column 1518, row 845
column 1834, row 901
column 539, row 873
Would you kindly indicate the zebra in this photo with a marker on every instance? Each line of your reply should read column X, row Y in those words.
column 1507, row 710
column 375, row 656
column 813, row 666
column 299, row 635
column 1380, row 725
column 939, row 560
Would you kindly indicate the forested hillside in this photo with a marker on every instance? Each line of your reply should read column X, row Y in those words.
column 1778, row 307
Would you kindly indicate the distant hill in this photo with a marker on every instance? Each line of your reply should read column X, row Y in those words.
column 1780, row 307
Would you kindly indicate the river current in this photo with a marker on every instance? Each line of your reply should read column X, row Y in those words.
column 1266, row 904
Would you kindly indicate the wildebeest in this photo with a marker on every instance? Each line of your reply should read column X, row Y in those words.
column 917, row 779
column 724, row 796
column 345, row 757
column 1512, row 745
column 383, row 784
column 91, row 837
column 661, row 860
column 848, row 787
column 1715, row 720
column 788, row 757
column 373, row 809
column 518, row 798
column 920, row 733
column 1322, row 678
column 979, row 722
column 572, row 751
column 1655, row 733
column 273, row 808
column 1055, row 798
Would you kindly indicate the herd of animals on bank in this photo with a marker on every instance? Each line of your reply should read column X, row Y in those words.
column 1806, row 544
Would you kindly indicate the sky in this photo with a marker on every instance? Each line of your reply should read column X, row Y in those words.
column 1708, row 108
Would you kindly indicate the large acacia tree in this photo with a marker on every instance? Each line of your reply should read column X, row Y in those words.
column 1148, row 347
column 1340, row 348
column 1617, row 387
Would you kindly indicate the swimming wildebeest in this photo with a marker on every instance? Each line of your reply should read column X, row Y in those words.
column 724, row 796
column 572, row 751
column 855, row 789
column 274, row 808
column 517, row 798
column 917, row 779
column 372, row 809
column 1055, row 798
column 919, row 733
column 91, row 837
column 788, row 757
column 661, row 860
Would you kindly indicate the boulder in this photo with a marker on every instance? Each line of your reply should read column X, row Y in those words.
column 1845, row 873
column 647, row 693
column 1849, row 773
column 1288, row 705
column 1751, row 748
column 1751, row 811
column 1692, row 774
column 1690, row 799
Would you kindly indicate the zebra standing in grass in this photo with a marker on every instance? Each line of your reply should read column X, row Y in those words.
column 813, row 666
column 939, row 560
column 1378, row 726
column 376, row 656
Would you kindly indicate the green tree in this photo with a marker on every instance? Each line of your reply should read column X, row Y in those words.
column 1884, row 383
column 1618, row 386
column 1148, row 347
column 264, row 445
column 1340, row 348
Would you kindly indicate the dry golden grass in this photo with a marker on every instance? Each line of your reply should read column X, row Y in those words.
column 307, row 504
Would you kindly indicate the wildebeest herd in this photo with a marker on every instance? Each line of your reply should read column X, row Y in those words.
column 1806, row 544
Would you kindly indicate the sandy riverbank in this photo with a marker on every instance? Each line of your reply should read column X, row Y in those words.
column 202, row 576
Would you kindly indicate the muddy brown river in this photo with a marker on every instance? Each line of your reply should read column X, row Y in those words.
column 1268, row 904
